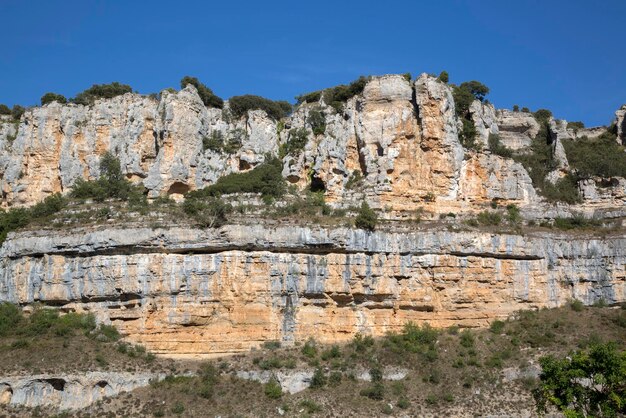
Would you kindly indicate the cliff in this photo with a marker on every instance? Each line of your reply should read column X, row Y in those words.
column 189, row 292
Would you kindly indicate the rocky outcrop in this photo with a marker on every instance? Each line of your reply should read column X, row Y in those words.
column 620, row 124
column 189, row 292
column 400, row 137
column 159, row 143
column 485, row 121
column 68, row 392
column 516, row 129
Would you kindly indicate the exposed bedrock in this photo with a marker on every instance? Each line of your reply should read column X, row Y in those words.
column 189, row 292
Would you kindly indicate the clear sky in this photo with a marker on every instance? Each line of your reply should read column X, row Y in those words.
column 565, row 55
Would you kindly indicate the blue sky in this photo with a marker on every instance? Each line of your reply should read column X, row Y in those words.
column 567, row 56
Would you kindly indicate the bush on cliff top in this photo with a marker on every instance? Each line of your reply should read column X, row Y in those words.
column 206, row 94
column 239, row 106
column 52, row 97
column 101, row 91
column 602, row 157
column 464, row 95
column 335, row 96
column 4, row 109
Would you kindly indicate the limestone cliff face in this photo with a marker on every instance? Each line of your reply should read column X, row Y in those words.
column 400, row 136
column 188, row 292
column 159, row 143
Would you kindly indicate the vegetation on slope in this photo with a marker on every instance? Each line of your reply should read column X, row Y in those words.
column 485, row 371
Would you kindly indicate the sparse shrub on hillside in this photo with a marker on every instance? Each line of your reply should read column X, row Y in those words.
column 366, row 218
column 542, row 116
column 101, row 91
column 16, row 218
column 576, row 222
column 443, row 77
column 515, row 108
column 495, row 145
column 208, row 212
column 564, row 190
column 4, row 109
column 240, row 105
column 206, row 94
column 407, row 76
column 319, row 379
column 272, row 389
column 602, row 157
column 52, row 97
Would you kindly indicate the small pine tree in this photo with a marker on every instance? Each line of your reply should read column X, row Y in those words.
column 367, row 218
column 443, row 77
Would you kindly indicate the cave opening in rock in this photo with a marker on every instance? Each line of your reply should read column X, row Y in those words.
column 57, row 384
column 178, row 188
column 317, row 184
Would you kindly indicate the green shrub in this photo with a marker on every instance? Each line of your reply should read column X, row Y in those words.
column 229, row 145
column 271, row 345
column 362, row 343
column 366, row 218
column 576, row 126
column 513, row 214
column 112, row 184
column 407, row 76
column 17, row 111
column 319, row 379
column 4, row 109
column 355, row 180
column 309, row 406
column 489, row 218
column 464, row 95
column 576, row 305
column 265, row 179
column 585, row 383
column 208, row 212
column 576, row 222
column 497, row 327
column 295, row 143
column 206, row 94
column 542, row 116
column 101, row 91
column 337, row 96
column 312, row 97
column 376, row 391
column 309, row 349
column 52, row 97
column 240, row 105
column 317, row 120
column 601, row 157
column 467, row 339
column 333, row 352
column 497, row 148
column 110, row 333
column 515, row 108
column 403, row 403
column 564, row 190
column 178, row 408
column 443, row 77
column 10, row 318
column 273, row 389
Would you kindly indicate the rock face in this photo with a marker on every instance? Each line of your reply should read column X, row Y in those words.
column 485, row 121
column 189, row 292
column 620, row 123
column 401, row 137
column 516, row 128
column 68, row 392
column 159, row 143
